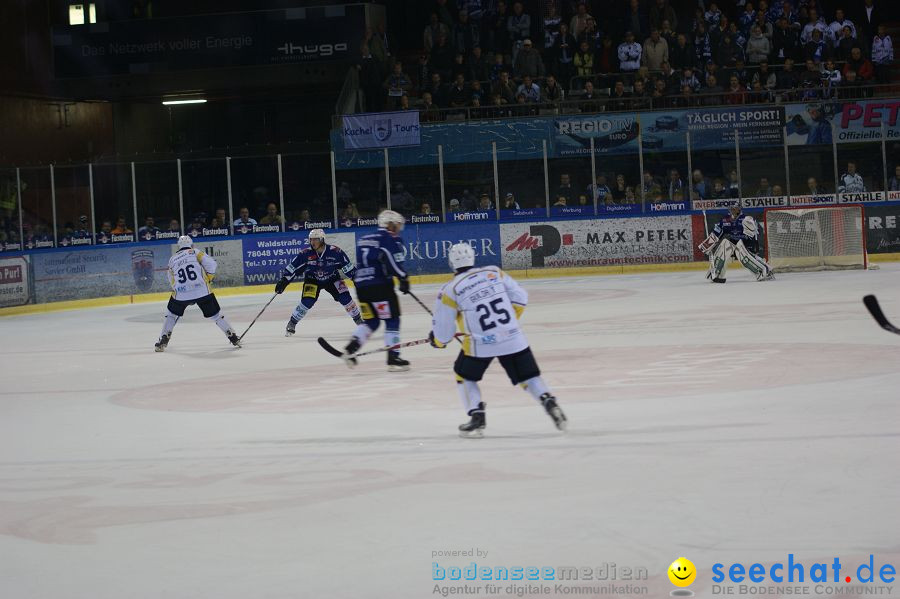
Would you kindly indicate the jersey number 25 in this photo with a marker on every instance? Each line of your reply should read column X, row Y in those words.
column 485, row 311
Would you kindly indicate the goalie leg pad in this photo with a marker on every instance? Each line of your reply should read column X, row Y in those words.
column 751, row 261
column 719, row 258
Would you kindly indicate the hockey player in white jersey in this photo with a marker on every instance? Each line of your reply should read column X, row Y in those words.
column 190, row 273
column 851, row 181
column 735, row 237
column 486, row 303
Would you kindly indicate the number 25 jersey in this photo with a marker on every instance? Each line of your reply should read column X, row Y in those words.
column 485, row 303
column 187, row 273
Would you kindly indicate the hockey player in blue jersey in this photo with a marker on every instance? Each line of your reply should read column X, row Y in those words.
column 735, row 237
column 379, row 258
column 322, row 267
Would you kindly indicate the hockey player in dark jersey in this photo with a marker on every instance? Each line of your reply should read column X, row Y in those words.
column 735, row 237
column 379, row 258
column 322, row 267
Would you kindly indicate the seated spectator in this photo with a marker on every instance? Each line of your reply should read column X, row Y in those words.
column 882, row 55
column 619, row 97
column 81, row 230
column 655, row 51
column 437, row 90
column 777, row 191
column 686, row 98
column 765, row 190
column 503, row 87
column 245, row 220
column 630, row 198
column 425, row 209
column 565, row 186
column 454, row 205
column 619, row 189
column 304, row 216
column 522, row 107
column 688, row 79
column 584, row 60
column 590, row 101
column 629, row 54
column 404, row 103
column 719, row 191
column 734, row 185
column 674, row 184
column 552, row 92
column 650, row 188
column 459, row 67
column 174, row 226
column 271, row 217
column 149, row 228
column 529, row 89
column 736, row 93
column 428, row 112
column 787, row 78
column 758, row 46
column 600, row 190
column 121, row 227
column 509, row 202
column 583, row 200
column 812, row 76
column 860, row 64
column 766, row 78
column 560, row 202
column 813, row 188
column 476, row 92
column 850, row 88
column 396, row 84
column 700, row 187
column 712, row 91
column 894, row 183
column 401, row 200
column 528, row 61
column 639, row 96
column 459, row 96
column 497, row 109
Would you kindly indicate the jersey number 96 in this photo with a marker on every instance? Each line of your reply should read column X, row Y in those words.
column 187, row 274
column 485, row 311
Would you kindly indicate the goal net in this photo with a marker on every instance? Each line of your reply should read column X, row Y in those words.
column 820, row 238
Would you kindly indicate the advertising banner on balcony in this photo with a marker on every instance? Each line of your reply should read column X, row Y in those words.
column 380, row 130
column 846, row 122
column 142, row 46
column 615, row 134
column 595, row 242
column 712, row 128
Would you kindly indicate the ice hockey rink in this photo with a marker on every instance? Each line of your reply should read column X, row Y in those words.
column 724, row 423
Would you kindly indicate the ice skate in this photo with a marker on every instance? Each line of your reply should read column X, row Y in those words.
column 160, row 345
column 474, row 428
column 555, row 412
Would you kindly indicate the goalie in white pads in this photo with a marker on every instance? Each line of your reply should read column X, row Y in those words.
column 736, row 237
column 486, row 303
column 190, row 273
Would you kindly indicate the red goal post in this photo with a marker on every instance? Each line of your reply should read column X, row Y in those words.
column 815, row 237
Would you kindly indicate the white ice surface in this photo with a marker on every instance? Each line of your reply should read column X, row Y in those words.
column 736, row 422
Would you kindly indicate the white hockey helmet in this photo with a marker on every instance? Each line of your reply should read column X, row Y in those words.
column 185, row 241
column 388, row 217
column 317, row 234
column 461, row 255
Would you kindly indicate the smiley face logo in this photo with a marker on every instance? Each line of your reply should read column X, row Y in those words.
column 682, row 572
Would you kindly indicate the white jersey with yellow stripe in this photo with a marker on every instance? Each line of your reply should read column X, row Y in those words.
column 190, row 271
column 484, row 303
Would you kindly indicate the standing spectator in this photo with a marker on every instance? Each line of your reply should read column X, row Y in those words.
column 713, row 16
column 397, row 84
column 433, row 30
column 734, row 185
column 849, row 182
column 370, row 79
column 894, row 183
column 478, row 68
column 882, row 55
column 839, row 23
column 519, row 27
column 564, row 54
column 815, row 49
column 497, row 67
column 650, row 188
column 728, row 52
column 437, row 90
column 667, row 33
column 764, row 25
column 605, row 59
column 498, row 33
column 529, row 61
column 636, row 20
column 445, row 13
column 619, row 189
column 700, row 187
column 459, row 96
column 655, row 52
column 428, row 111
column 580, row 20
column 660, row 12
column 601, row 191
column 442, row 57
column 844, row 44
column 747, row 19
column 584, row 60
column 860, row 64
column 529, row 89
column 565, row 187
column 552, row 21
column 423, row 72
column 758, row 47
column 682, row 55
column 785, row 41
column 702, row 45
column 552, row 92
column 868, row 20
column 674, row 184
column 814, row 22
column 466, row 35
column 629, row 54
column 717, row 32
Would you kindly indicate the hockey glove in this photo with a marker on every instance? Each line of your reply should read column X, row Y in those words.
column 434, row 342
column 281, row 285
column 404, row 286
column 209, row 278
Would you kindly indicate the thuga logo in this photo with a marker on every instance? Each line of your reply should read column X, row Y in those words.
column 323, row 50
column 549, row 243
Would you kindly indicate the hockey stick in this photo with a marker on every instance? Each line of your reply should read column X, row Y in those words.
column 258, row 315
column 424, row 307
column 338, row 353
column 875, row 310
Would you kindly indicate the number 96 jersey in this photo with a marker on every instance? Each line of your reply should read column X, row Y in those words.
column 485, row 303
column 189, row 272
